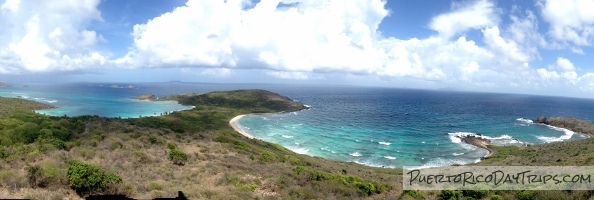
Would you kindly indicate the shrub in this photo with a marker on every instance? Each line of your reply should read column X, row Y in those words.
column 178, row 157
column 171, row 146
column 496, row 197
column 414, row 194
column 476, row 194
column 235, row 143
column 35, row 176
column 86, row 178
column 526, row 195
column 153, row 139
column 266, row 157
column 450, row 195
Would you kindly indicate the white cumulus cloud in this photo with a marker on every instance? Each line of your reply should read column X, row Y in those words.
column 563, row 64
column 571, row 21
column 477, row 15
column 40, row 36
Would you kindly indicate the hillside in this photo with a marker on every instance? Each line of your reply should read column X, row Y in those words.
column 193, row 151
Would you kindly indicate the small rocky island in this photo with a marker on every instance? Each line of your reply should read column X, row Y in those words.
column 4, row 85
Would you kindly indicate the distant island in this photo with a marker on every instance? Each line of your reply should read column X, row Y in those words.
column 128, row 87
column 4, row 85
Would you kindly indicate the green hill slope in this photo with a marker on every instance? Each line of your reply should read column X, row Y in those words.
column 193, row 151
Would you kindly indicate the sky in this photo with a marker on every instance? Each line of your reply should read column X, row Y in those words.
column 512, row 46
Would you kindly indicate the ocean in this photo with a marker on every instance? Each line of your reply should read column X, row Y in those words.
column 382, row 127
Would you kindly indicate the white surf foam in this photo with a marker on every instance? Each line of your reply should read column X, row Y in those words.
column 390, row 157
column 567, row 134
column 527, row 121
column 455, row 137
column 287, row 136
column 301, row 150
column 457, row 154
column 503, row 139
column 355, row 154
column 385, row 143
column 549, row 139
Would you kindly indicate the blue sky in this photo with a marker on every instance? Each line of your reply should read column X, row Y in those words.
column 517, row 46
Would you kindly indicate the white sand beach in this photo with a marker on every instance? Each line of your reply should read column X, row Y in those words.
column 236, row 127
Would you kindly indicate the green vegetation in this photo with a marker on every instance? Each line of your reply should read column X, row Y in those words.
column 178, row 157
column 194, row 151
column 86, row 178
column 12, row 105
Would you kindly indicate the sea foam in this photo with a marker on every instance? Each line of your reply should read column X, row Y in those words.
column 385, row 143
column 528, row 121
column 355, row 154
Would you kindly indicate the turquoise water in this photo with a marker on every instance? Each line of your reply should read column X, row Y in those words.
column 396, row 128
column 372, row 126
column 92, row 99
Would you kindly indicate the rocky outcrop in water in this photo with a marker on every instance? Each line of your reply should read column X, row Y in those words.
column 478, row 142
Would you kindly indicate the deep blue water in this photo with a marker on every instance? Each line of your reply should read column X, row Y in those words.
column 373, row 126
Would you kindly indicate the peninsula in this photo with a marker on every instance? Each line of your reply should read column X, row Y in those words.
column 570, row 123
column 149, row 97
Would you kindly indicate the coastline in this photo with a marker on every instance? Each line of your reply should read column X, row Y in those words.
column 233, row 123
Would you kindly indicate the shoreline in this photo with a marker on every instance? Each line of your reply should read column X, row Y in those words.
column 233, row 123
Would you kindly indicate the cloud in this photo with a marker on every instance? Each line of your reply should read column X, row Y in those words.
column 217, row 72
column 571, row 21
column 46, row 36
column 289, row 75
column 306, row 40
column 478, row 15
column 306, row 37
column 563, row 64
column 561, row 78
column 310, row 36
column 509, row 53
